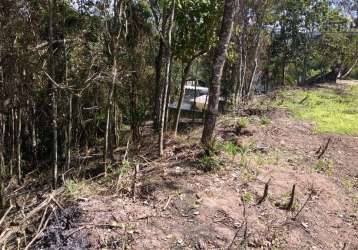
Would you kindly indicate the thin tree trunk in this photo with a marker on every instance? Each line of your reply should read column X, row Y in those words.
column 181, row 96
column 53, row 93
column 115, row 36
column 133, row 109
column 109, row 108
column 12, row 134
column 18, row 145
column 350, row 70
column 158, row 95
column 69, row 121
column 182, row 89
column 166, row 125
column 235, row 80
column 253, row 76
column 240, row 85
column 167, row 78
column 33, row 135
column 220, row 58
column 2, row 162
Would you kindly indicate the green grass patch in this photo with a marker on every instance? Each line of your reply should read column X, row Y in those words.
column 332, row 111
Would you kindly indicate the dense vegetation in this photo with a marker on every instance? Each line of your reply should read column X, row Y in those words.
column 77, row 76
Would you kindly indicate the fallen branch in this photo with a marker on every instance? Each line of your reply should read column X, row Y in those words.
column 303, row 206
column 239, row 229
column 39, row 232
column 6, row 213
column 303, row 100
column 168, row 202
column 27, row 220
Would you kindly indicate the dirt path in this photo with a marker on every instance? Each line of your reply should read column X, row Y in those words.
column 178, row 206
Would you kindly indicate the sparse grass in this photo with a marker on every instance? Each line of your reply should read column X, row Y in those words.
column 332, row 111
column 270, row 158
column 243, row 122
column 264, row 120
column 231, row 149
column 76, row 188
column 210, row 163
column 324, row 166
column 248, row 197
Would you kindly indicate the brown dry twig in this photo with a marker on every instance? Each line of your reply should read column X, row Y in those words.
column 303, row 206
column 323, row 151
column 28, row 219
column 264, row 196
column 292, row 198
column 6, row 213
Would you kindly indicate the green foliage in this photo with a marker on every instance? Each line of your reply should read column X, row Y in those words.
column 231, row 149
column 332, row 111
column 243, row 151
column 210, row 163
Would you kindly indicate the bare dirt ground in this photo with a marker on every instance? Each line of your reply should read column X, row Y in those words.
column 173, row 204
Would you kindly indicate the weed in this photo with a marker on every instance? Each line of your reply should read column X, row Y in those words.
column 324, row 166
column 74, row 188
column 248, row 197
column 123, row 169
column 264, row 120
column 209, row 163
column 243, row 122
column 231, row 149
column 350, row 184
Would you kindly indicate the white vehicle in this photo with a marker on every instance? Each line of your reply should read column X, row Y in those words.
column 193, row 98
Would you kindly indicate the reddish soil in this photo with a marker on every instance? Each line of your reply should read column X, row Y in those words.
column 178, row 206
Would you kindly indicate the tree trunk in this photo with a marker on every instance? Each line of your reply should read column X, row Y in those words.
column 134, row 109
column 2, row 162
column 349, row 70
column 53, row 93
column 168, row 94
column 181, row 96
column 69, row 121
column 158, row 95
column 12, row 134
column 167, row 78
column 114, row 34
column 182, row 89
column 257, row 49
column 33, row 134
column 220, row 58
column 108, row 113
column 18, row 145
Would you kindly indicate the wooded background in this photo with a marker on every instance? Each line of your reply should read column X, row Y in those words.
column 75, row 74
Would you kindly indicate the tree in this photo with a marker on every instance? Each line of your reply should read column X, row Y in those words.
column 217, row 70
column 196, row 34
column 168, row 51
